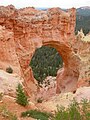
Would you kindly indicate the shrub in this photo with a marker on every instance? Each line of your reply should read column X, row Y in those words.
column 36, row 114
column 85, row 109
column 9, row 70
column 21, row 97
column 39, row 100
column 61, row 113
column 75, row 111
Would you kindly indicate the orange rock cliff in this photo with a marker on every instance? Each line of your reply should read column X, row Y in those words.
column 22, row 31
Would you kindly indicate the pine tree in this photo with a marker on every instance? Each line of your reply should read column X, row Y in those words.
column 21, row 97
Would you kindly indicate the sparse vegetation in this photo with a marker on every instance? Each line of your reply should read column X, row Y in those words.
column 9, row 70
column 85, row 109
column 4, row 112
column 75, row 111
column 38, row 115
column 21, row 97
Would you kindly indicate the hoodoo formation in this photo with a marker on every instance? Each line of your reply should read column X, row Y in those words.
column 22, row 31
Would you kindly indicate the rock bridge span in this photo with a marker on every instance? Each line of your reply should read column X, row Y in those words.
column 22, row 31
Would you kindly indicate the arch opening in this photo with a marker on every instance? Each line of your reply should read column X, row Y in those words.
column 46, row 61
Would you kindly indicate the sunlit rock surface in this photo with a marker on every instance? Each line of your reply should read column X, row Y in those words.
column 22, row 31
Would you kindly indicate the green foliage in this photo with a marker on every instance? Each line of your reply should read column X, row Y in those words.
column 21, row 97
column 45, row 62
column 7, row 114
column 36, row 114
column 83, row 20
column 85, row 109
column 9, row 70
column 61, row 114
column 75, row 111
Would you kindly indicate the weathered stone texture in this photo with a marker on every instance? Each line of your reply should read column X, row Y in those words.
column 24, row 30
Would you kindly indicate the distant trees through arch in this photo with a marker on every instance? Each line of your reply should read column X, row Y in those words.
column 45, row 62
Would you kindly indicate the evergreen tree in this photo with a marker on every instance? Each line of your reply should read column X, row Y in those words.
column 21, row 97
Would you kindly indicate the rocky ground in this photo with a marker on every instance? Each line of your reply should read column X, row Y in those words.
column 11, row 105
column 8, row 84
column 64, row 99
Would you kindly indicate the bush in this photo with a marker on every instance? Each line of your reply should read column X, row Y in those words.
column 61, row 114
column 39, row 100
column 74, row 112
column 36, row 114
column 21, row 97
column 9, row 70
column 85, row 109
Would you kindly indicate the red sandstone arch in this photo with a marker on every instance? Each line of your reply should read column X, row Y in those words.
column 67, row 78
column 28, row 29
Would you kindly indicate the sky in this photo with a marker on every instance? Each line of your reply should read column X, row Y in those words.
column 46, row 3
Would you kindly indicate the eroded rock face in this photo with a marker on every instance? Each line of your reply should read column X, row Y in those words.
column 9, row 83
column 23, row 31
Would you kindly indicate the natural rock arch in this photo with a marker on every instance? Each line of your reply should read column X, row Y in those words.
column 67, row 77
column 24, row 30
